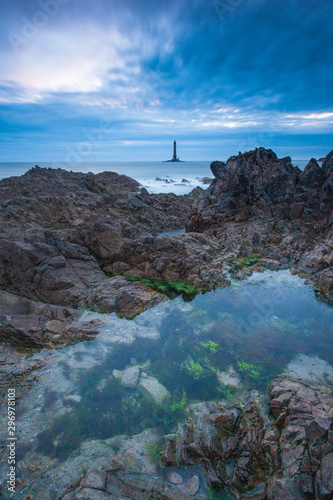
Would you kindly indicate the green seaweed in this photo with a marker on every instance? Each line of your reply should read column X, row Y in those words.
column 193, row 368
column 228, row 392
column 154, row 451
column 252, row 370
column 211, row 346
column 248, row 261
column 178, row 404
column 170, row 288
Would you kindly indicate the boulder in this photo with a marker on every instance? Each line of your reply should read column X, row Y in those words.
column 154, row 392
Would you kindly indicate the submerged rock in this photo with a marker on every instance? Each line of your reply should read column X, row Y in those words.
column 229, row 377
column 192, row 486
column 153, row 391
column 130, row 377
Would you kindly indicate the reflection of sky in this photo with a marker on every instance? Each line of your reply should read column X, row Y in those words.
column 165, row 70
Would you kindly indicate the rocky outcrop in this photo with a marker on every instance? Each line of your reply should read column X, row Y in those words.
column 61, row 200
column 257, row 184
column 61, row 232
column 261, row 204
column 241, row 453
column 57, row 230
column 47, row 283
column 291, row 457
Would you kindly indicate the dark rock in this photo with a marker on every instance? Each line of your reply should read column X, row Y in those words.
column 277, row 461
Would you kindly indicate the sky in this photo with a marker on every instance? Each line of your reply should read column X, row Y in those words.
column 111, row 80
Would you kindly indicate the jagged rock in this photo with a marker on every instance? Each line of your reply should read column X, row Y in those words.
column 277, row 461
column 261, row 204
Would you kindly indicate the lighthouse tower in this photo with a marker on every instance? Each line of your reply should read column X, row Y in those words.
column 174, row 158
column 175, row 152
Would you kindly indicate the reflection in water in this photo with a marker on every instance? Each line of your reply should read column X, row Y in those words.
column 221, row 344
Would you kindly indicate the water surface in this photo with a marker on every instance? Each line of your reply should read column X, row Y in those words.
column 221, row 346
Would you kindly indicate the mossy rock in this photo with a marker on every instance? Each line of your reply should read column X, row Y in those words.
column 170, row 288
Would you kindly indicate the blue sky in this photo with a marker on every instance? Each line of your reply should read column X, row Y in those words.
column 120, row 80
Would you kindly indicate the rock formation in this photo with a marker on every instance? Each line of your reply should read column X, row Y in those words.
column 62, row 231
column 57, row 230
column 69, row 240
column 259, row 203
column 289, row 457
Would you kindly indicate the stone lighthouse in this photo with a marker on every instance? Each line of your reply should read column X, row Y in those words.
column 174, row 158
column 175, row 152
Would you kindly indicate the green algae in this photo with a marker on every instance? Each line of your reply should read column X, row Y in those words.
column 170, row 288
column 193, row 368
column 228, row 392
column 248, row 261
column 178, row 404
column 154, row 451
column 251, row 369
column 211, row 346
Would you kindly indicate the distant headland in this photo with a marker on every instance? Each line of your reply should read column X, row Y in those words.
column 174, row 158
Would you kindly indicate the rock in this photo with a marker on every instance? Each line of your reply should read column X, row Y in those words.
column 154, row 392
column 118, row 374
column 168, row 456
column 175, row 478
column 95, row 480
column 16, row 370
column 324, row 478
column 255, row 188
column 73, row 398
column 192, row 486
column 130, row 377
column 276, row 461
column 229, row 377
column 91, row 494
column 57, row 229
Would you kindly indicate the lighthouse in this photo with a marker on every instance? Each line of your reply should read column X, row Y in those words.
column 174, row 158
column 175, row 152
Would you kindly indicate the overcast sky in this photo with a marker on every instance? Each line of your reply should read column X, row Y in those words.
column 120, row 80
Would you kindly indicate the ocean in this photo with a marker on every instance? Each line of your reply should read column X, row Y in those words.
column 155, row 176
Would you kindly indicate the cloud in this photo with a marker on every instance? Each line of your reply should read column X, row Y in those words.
column 174, row 67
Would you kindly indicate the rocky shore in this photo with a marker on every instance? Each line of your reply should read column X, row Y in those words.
column 65, row 239
column 72, row 243
column 291, row 457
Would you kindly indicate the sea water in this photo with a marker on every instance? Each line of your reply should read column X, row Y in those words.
column 155, row 176
column 224, row 345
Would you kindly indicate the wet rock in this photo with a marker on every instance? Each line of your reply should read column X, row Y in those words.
column 16, row 370
column 154, row 392
column 276, row 461
column 251, row 190
column 169, row 453
column 118, row 374
column 91, row 494
column 229, row 377
column 130, row 377
column 175, row 478
column 95, row 480
column 324, row 478
column 225, row 422
column 192, row 486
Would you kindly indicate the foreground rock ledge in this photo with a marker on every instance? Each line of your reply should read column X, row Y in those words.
column 291, row 457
